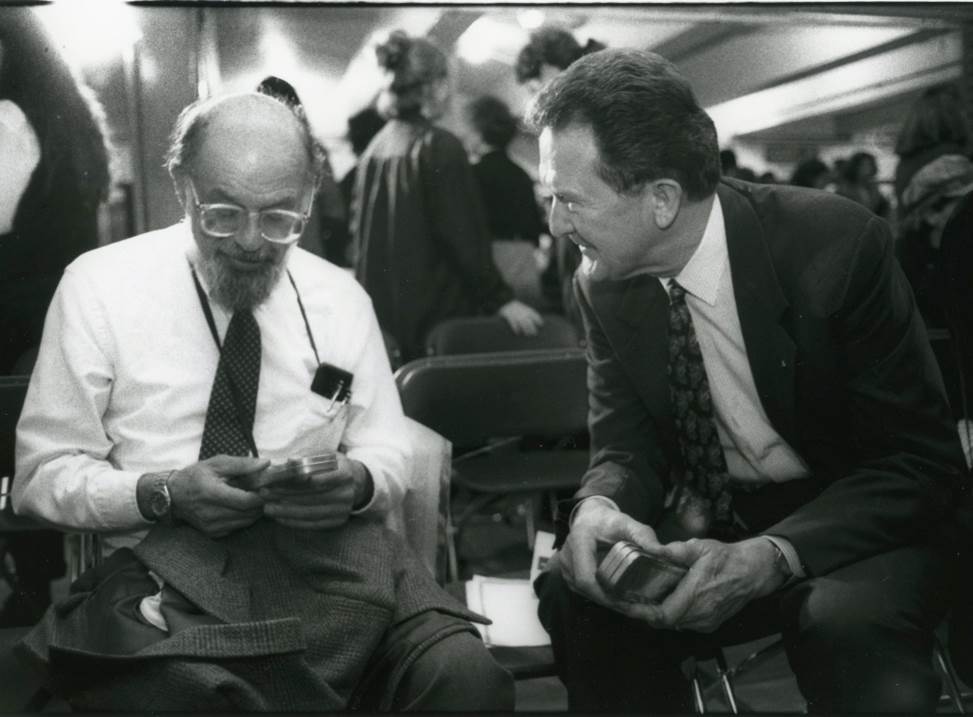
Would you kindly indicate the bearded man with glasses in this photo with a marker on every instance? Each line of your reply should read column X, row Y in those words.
column 178, row 374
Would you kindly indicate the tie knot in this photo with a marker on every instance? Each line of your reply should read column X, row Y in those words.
column 676, row 292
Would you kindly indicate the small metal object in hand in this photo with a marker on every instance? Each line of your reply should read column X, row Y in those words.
column 628, row 573
column 291, row 473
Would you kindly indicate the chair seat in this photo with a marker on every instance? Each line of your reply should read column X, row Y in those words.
column 512, row 471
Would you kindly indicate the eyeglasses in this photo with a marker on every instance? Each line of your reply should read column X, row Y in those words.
column 279, row 226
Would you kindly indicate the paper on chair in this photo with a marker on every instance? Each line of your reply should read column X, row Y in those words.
column 512, row 606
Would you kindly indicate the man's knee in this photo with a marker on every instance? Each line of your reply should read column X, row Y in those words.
column 455, row 674
column 855, row 648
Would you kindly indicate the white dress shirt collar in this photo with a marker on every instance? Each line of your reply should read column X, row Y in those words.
column 703, row 272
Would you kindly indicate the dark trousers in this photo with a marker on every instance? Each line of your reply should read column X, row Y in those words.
column 433, row 662
column 858, row 640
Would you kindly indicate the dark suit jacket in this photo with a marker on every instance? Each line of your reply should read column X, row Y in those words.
column 841, row 363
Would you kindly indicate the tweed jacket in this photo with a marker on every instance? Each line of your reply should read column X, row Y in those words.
column 267, row 618
column 842, row 366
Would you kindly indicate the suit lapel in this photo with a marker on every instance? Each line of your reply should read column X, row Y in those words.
column 760, row 304
column 640, row 305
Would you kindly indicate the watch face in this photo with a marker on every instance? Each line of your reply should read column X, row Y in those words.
column 159, row 503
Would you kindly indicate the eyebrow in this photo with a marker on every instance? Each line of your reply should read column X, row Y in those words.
column 221, row 197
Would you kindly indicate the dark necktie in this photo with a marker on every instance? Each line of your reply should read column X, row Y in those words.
column 699, row 442
column 233, row 400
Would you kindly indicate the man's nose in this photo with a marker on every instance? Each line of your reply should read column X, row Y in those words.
column 558, row 221
column 249, row 238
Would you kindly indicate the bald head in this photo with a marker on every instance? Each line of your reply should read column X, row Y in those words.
column 247, row 129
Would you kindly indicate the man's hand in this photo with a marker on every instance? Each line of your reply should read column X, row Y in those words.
column 722, row 579
column 596, row 522
column 522, row 319
column 324, row 500
column 203, row 496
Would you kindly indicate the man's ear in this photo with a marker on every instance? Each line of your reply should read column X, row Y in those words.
column 665, row 198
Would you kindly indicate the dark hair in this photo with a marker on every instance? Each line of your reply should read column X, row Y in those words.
column 808, row 171
column 492, row 120
column 936, row 118
column 850, row 170
column 280, row 89
column 728, row 160
column 62, row 111
column 550, row 46
column 644, row 116
column 412, row 65
column 362, row 127
column 190, row 126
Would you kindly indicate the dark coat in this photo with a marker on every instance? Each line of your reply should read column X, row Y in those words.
column 268, row 618
column 421, row 246
column 842, row 366
column 508, row 198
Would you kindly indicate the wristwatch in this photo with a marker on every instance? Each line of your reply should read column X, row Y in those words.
column 160, row 502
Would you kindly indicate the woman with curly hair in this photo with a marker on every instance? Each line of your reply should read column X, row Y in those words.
column 53, row 178
column 421, row 241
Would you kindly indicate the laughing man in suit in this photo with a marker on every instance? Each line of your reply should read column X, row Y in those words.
column 805, row 471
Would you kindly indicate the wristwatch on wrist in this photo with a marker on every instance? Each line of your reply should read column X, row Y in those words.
column 160, row 502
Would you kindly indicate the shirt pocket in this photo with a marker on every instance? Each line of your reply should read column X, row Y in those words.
column 323, row 427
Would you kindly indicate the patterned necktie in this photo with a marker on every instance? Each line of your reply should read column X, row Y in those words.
column 233, row 400
column 699, row 442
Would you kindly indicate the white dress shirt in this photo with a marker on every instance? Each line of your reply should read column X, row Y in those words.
column 126, row 367
column 754, row 451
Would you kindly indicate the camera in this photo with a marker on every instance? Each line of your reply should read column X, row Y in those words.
column 291, row 473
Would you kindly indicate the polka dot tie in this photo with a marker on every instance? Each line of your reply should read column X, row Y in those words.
column 699, row 442
column 233, row 400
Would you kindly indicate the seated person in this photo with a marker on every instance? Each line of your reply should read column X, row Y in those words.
column 765, row 413
column 174, row 367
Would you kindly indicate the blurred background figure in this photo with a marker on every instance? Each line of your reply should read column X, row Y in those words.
column 936, row 125
column 512, row 214
column 549, row 52
column 858, row 181
column 728, row 162
column 53, row 179
column 326, row 234
column 421, row 245
column 362, row 128
column 933, row 173
column 811, row 173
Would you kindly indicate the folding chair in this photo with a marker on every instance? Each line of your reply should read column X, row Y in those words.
column 492, row 400
column 490, row 334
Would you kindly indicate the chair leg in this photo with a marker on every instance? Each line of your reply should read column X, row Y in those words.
column 726, row 683
column 699, row 704
column 952, row 681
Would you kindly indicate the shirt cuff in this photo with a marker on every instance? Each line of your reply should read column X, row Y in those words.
column 790, row 556
column 600, row 498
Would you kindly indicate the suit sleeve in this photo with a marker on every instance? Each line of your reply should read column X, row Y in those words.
column 628, row 463
column 906, row 467
column 458, row 223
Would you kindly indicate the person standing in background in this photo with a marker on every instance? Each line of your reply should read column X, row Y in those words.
column 327, row 231
column 936, row 126
column 422, row 250
column 53, row 178
column 512, row 214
